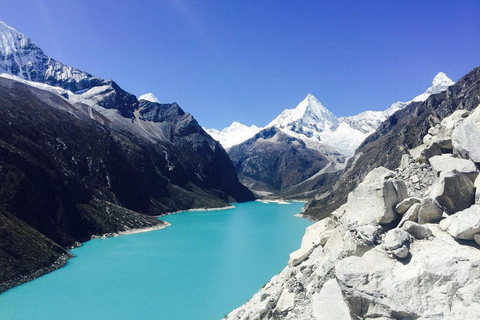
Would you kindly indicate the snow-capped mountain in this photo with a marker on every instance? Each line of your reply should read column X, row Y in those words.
column 440, row 83
column 149, row 97
column 234, row 134
column 308, row 118
column 311, row 122
column 368, row 121
column 86, row 97
column 314, row 124
column 22, row 58
column 319, row 128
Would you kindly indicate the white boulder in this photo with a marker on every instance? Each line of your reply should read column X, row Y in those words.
column 403, row 206
column 315, row 235
column 447, row 162
column 453, row 120
column 328, row 304
column 464, row 224
column 427, row 287
column 373, row 201
column 396, row 242
column 454, row 191
column 411, row 214
column 286, row 301
column 466, row 137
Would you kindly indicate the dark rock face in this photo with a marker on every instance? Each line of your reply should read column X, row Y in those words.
column 402, row 131
column 69, row 177
column 25, row 253
column 275, row 161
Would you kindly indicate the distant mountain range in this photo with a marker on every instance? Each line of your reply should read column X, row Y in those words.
column 329, row 141
column 311, row 122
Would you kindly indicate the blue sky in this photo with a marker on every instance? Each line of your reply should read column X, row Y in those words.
column 248, row 60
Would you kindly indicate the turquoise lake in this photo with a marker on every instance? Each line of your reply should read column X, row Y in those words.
column 201, row 267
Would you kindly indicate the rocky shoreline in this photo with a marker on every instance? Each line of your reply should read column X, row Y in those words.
column 60, row 262
column 160, row 226
column 405, row 245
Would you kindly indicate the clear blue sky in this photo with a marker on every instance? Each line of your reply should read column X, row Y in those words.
column 248, row 60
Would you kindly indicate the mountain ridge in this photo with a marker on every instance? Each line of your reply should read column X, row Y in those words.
column 312, row 122
column 80, row 156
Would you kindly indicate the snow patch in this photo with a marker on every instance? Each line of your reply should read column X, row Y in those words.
column 149, row 97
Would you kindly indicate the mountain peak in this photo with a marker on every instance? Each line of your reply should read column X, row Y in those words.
column 308, row 113
column 440, row 83
column 11, row 40
column 149, row 97
column 234, row 134
column 441, row 80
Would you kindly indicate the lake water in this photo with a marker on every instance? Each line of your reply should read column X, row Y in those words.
column 203, row 266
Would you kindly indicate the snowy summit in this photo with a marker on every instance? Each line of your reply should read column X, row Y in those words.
column 234, row 134
column 311, row 122
column 309, row 114
column 149, row 97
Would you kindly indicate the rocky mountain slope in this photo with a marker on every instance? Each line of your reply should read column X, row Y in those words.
column 405, row 245
column 401, row 131
column 79, row 156
column 285, row 161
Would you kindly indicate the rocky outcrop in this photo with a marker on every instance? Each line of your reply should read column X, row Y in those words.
column 402, row 131
column 362, row 263
column 374, row 200
column 465, row 137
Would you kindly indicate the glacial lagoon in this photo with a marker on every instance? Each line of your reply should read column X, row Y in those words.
column 201, row 267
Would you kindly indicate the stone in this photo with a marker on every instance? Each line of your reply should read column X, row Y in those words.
column 414, row 179
column 450, row 122
column 404, row 161
column 315, row 235
column 328, row 304
column 286, row 301
column 464, row 224
column 429, row 151
column 454, row 191
column 447, row 162
column 430, row 211
column 415, row 152
column 411, row 214
column 367, row 235
column 396, row 242
column 374, row 199
column 416, row 230
column 466, row 137
column 476, row 237
column 427, row 139
column 433, row 131
column 401, row 252
column 403, row 206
